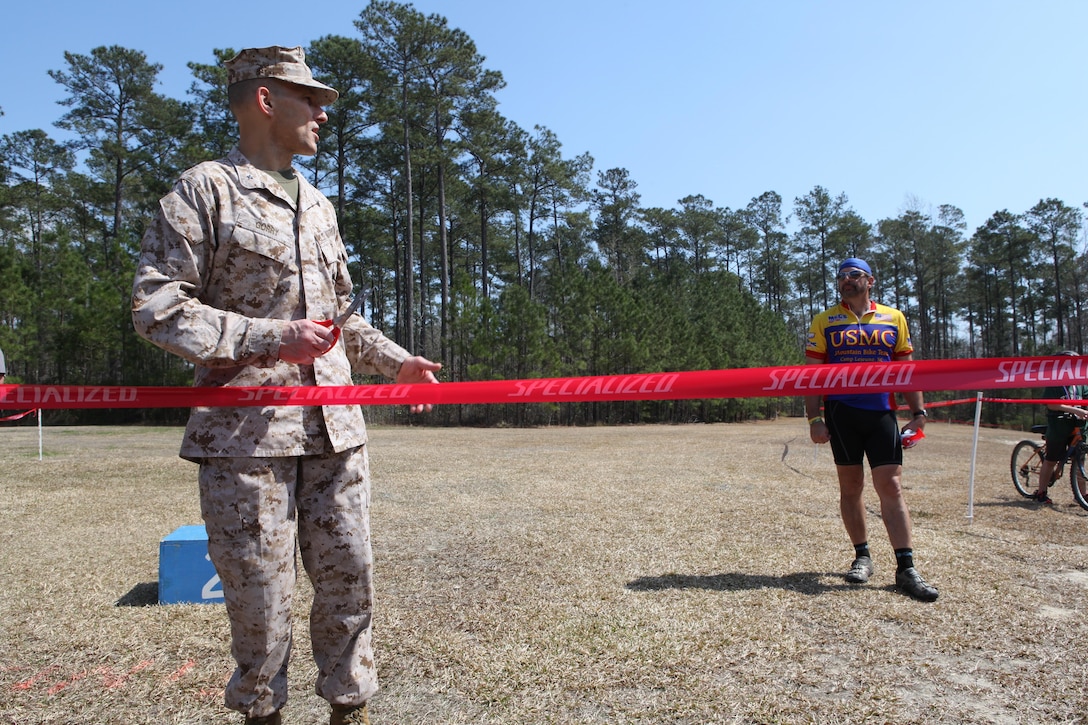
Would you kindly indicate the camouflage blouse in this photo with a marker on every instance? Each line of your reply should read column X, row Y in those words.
column 228, row 259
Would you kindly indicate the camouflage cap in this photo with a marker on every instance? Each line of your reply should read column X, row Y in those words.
column 286, row 64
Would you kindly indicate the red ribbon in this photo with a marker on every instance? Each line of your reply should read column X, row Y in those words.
column 970, row 374
column 18, row 416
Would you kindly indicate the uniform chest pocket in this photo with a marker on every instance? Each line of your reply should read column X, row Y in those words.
column 327, row 245
column 252, row 236
column 256, row 268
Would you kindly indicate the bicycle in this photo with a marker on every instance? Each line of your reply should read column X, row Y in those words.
column 1027, row 457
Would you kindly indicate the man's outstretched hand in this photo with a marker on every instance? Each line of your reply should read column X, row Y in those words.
column 418, row 369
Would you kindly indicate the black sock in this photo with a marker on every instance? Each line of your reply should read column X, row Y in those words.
column 904, row 559
column 861, row 549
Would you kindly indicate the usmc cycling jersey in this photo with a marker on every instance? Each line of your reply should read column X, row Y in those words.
column 838, row 335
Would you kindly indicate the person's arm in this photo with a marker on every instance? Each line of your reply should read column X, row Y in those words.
column 816, row 354
column 817, row 427
column 904, row 352
column 915, row 403
column 175, row 257
column 370, row 352
column 1066, row 408
column 1070, row 409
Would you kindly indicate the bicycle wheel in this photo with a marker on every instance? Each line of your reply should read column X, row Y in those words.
column 1026, row 458
column 1076, row 470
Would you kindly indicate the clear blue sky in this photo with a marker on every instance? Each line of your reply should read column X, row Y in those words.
column 976, row 103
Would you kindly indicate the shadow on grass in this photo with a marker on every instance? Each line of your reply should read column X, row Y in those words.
column 144, row 594
column 1067, row 506
column 1020, row 502
column 805, row 582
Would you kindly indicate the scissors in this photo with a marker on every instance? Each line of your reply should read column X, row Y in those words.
column 338, row 322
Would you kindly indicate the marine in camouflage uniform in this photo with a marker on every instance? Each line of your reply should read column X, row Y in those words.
column 235, row 265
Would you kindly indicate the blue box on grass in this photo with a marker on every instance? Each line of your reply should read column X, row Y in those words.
column 186, row 574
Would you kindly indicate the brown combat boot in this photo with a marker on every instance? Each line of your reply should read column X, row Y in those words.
column 273, row 719
column 349, row 715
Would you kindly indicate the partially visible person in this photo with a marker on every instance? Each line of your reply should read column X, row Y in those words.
column 3, row 368
column 863, row 426
column 1061, row 421
column 237, row 269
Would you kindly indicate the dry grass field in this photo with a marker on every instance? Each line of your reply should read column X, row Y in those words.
column 666, row 574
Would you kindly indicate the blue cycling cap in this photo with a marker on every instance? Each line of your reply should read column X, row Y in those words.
column 854, row 262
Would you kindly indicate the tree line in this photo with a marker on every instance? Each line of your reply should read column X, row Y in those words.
column 481, row 244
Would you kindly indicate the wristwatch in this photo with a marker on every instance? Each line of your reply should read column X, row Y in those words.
column 919, row 412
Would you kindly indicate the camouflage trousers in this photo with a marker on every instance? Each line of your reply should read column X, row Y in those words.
column 252, row 509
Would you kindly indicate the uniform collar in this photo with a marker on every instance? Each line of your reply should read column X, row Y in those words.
column 872, row 308
column 251, row 177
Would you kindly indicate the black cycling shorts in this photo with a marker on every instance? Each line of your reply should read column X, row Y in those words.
column 858, row 434
column 1059, row 431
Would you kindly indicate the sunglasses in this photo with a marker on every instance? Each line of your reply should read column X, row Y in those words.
column 852, row 274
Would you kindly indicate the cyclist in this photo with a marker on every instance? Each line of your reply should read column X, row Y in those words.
column 1061, row 422
column 863, row 426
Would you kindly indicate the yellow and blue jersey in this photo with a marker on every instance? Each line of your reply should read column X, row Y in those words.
column 838, row 335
